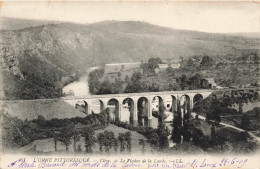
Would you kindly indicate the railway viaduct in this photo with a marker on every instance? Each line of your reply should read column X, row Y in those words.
column 138, row 103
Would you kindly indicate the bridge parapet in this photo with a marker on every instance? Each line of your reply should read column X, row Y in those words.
column 145, row 94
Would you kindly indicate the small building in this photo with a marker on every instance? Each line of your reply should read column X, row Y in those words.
column 167, row 104
column 209, row 83
column 245, row 86
column 233, row 87
column 219, row 87
column 119, row 67
column 175, row 65
column 161, row 67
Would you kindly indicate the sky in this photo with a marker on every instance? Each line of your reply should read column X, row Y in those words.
column 217, row 17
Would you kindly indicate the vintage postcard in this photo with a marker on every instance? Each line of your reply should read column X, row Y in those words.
column 119, row 84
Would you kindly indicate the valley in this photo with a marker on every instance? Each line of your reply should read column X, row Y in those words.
column 128, row 87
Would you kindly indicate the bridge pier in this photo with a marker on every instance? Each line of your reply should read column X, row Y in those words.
column 135, row 116
column 120, row 111
column 191, row 103
column 152, row 122
column 174, row 104
column 150, row 113
column 102, row 107
column 88, row 109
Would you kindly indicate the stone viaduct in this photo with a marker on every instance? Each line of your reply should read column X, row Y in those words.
column 139, row 104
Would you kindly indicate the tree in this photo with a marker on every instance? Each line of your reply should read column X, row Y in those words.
column 93, row 80
column 256, row 58
column 115, row 144
column 181, row 58
column 221, row 140
column 257, row 115
column 215, row 110
column 195, row 81
column 161, row 113
column 197, row 134
column 134, row 85
column 144, row 67
column 65, row 137
column 204, row 142
column 241, row 97
column 206, row 61
column 90, row 140
column 142, row 143
column 109, row 138
column 170, row 71
column 175, row 87
column 75, row 137
column 163, row 136
column 125, row 141
column 153, row 63
column 41, row 121
column 176, row 132
column 128, row 140
column 101, row 139
column 184, row 81
column 198, row 138
column 190, row 63
column 203, row 106
column 127, row 79
column 119, row 74
column 154, row 140
column 117, row 87
column 234, row 73
column 177, row 125
column 245, row 122
column 55, row 138
column 105, row 87
column 186, row 134
column 122, row 141
column 79, row 148
column 213, row 132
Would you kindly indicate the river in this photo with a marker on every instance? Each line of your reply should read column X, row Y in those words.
column 80, row 87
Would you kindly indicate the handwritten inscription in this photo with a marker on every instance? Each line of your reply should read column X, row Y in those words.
column 128, row 163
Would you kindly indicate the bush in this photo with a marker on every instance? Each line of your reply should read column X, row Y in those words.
column 107, row 139
column 241, row 136
column 245, row 122
column 41, row 129
column 198, row 138
column 197, row 134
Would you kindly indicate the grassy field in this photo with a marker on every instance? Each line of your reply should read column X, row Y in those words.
column 49, row 109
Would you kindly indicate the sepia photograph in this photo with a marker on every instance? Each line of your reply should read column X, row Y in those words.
column 115, row 84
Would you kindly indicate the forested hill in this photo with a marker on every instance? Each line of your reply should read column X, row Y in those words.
column 36, row 58
column 7, row 23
